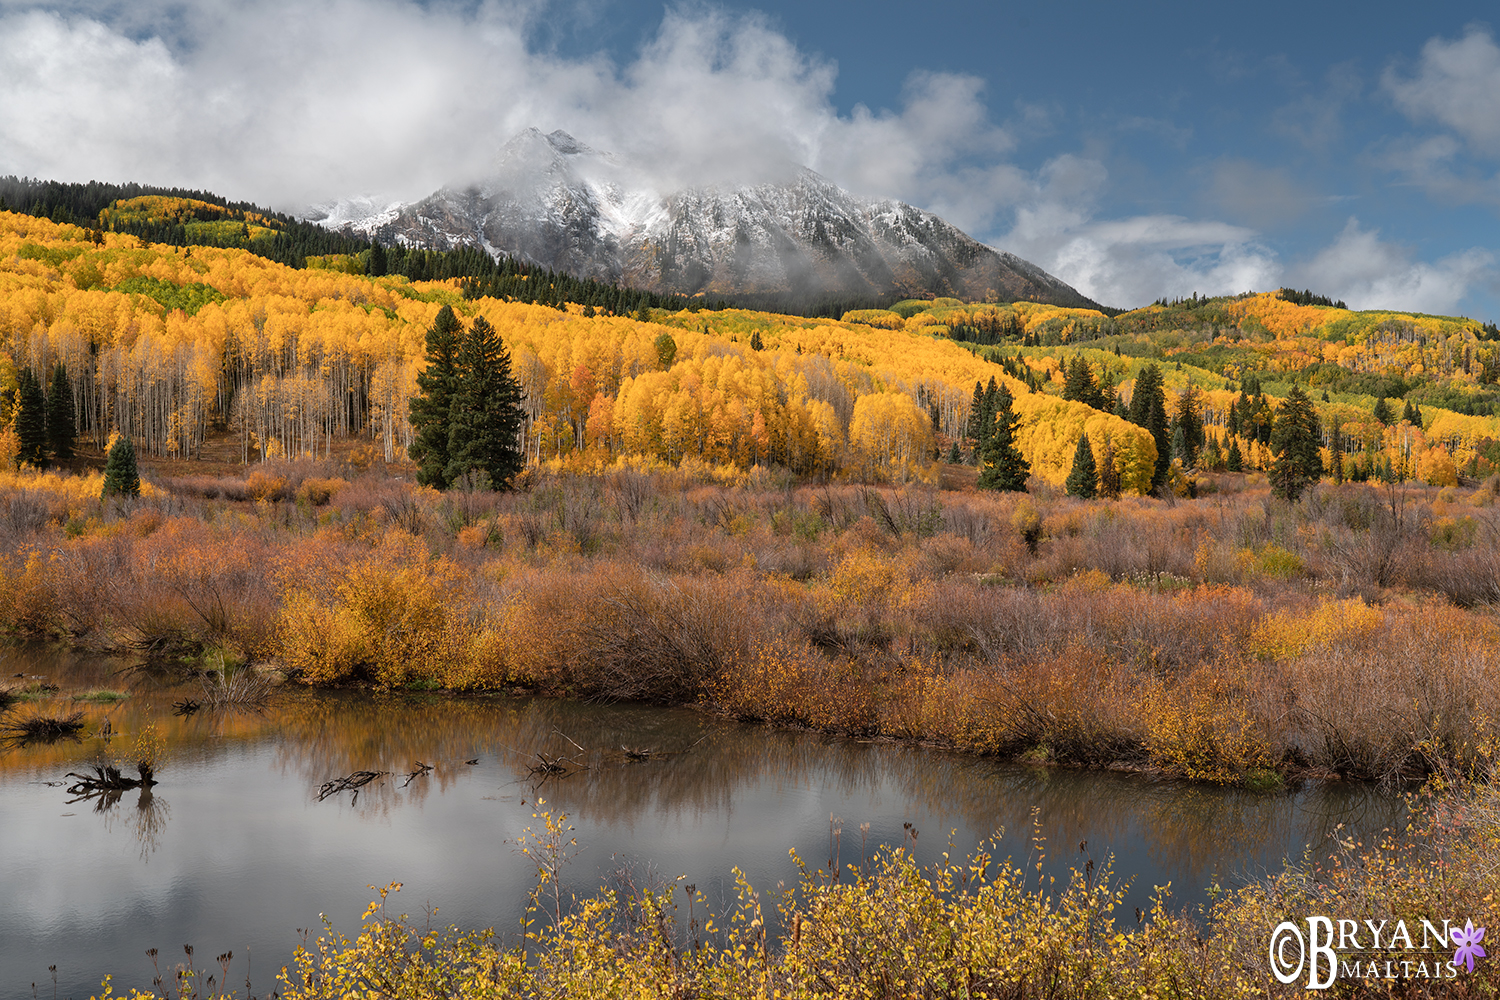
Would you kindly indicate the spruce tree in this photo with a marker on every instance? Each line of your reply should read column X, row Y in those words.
column 436, row 385
column 31, row 420
column 1083, row 480
column 1294, row 442
column 61, row 430
column 1234, row 461
column 121, row 478
column 1383, row 411
column 485, row 417
column 1003, row 466
column 954, row 458
column 1190, row 422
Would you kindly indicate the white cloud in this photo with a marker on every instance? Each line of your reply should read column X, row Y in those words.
column 1131, row 261
column 1457, row 83
column 1370, row 273
column 289, row 103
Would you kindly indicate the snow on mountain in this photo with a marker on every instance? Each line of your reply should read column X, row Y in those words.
column 555, row 202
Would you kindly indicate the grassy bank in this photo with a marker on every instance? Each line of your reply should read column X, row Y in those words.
column 1231, row 638
column 977, row 927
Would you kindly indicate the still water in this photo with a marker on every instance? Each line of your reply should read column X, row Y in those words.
column 234, row 851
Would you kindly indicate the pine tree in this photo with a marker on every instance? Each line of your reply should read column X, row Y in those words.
column 1004, row 468
column 1083, row 480
column 1234, row 461
column 1190, row 422
column 61, row 430
column 954, row 458
column 436, row 385
column 1294, row 442
column 1336, row 453
column 1383, row 411
column 756, row 344
column 31, row 420
column 378, row 264
column 485, row 417
column 121, row 478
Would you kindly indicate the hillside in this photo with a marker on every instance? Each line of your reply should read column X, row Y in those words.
column 172, row 344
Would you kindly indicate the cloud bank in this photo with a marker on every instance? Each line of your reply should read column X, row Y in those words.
column 290, row 103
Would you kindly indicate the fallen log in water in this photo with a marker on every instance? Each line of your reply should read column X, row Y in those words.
column 108, row 778
column 352, row 782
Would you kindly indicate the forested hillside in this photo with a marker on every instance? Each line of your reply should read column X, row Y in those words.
column 177, row 317
column 171, row 344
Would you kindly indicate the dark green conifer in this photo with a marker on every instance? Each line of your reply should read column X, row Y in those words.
column 436, row 385
column 1234, row 461
column 1003, row 466
column 1294, row 442
column 31, row 420
column 1083, row 479
column 1383, row 411
column 666, row 350
column 61, row 429
column 954, row 458
column 485, row 417
column 121, row 478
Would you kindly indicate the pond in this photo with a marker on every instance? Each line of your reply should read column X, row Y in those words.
column 233, row 850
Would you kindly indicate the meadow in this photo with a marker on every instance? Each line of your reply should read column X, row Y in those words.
column 1230, row 638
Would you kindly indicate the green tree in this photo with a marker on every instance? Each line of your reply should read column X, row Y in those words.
column 31, row 420
column 1383, row 411
column 1083, row 480
column 485, row 417
column 666, row 350
column 1190, row 421
column 61, row 429
column 954, row 458
column 1234, row 461
column 436, row 385
column 1148, row 409
column 121, row 478
column 1109, row 476
column 1294, row 442
column 1003, row 468
column 756, row 344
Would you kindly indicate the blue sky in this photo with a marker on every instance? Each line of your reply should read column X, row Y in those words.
column 1134, row 150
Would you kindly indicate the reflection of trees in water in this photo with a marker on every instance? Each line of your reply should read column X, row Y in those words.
column 146, row 817
column 1182, row 827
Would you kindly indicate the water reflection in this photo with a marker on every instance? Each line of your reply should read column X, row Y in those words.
column 248, row 852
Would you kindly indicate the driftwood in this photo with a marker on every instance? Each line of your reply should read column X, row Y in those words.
column 107, row 778
column 185, row 706
column 650, row 753
column 422, row 770
column 355, row 782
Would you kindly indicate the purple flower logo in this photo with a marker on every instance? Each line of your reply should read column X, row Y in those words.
column 1467, row 941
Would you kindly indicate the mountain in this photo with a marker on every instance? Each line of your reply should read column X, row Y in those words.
column 555, row 202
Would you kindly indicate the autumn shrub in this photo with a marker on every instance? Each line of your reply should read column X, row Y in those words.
column 1202, row 724
column 385, row 616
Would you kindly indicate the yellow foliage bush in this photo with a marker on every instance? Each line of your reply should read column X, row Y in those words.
column 1289, row 634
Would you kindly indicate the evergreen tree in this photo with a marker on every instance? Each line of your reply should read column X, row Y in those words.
column 484, row 420
column 1190, row 422
column 1083, row 479
column 1156, row 423
column 1004, row 468
column 756, row 344
column 666, row 350
column 1179, row 446
column 31, row 420
column 61, row 430
column 1078, row 381
column 378, row 264
column 430, row 407
column 1383, row 411
column 1213, row 454
column 1412, row 414
column 121, row 478
column 1294, row 442
column 1234, row 461
column 976, row 413
column 954, row 458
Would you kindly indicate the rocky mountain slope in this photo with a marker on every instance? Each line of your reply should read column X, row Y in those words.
column 555, row 202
